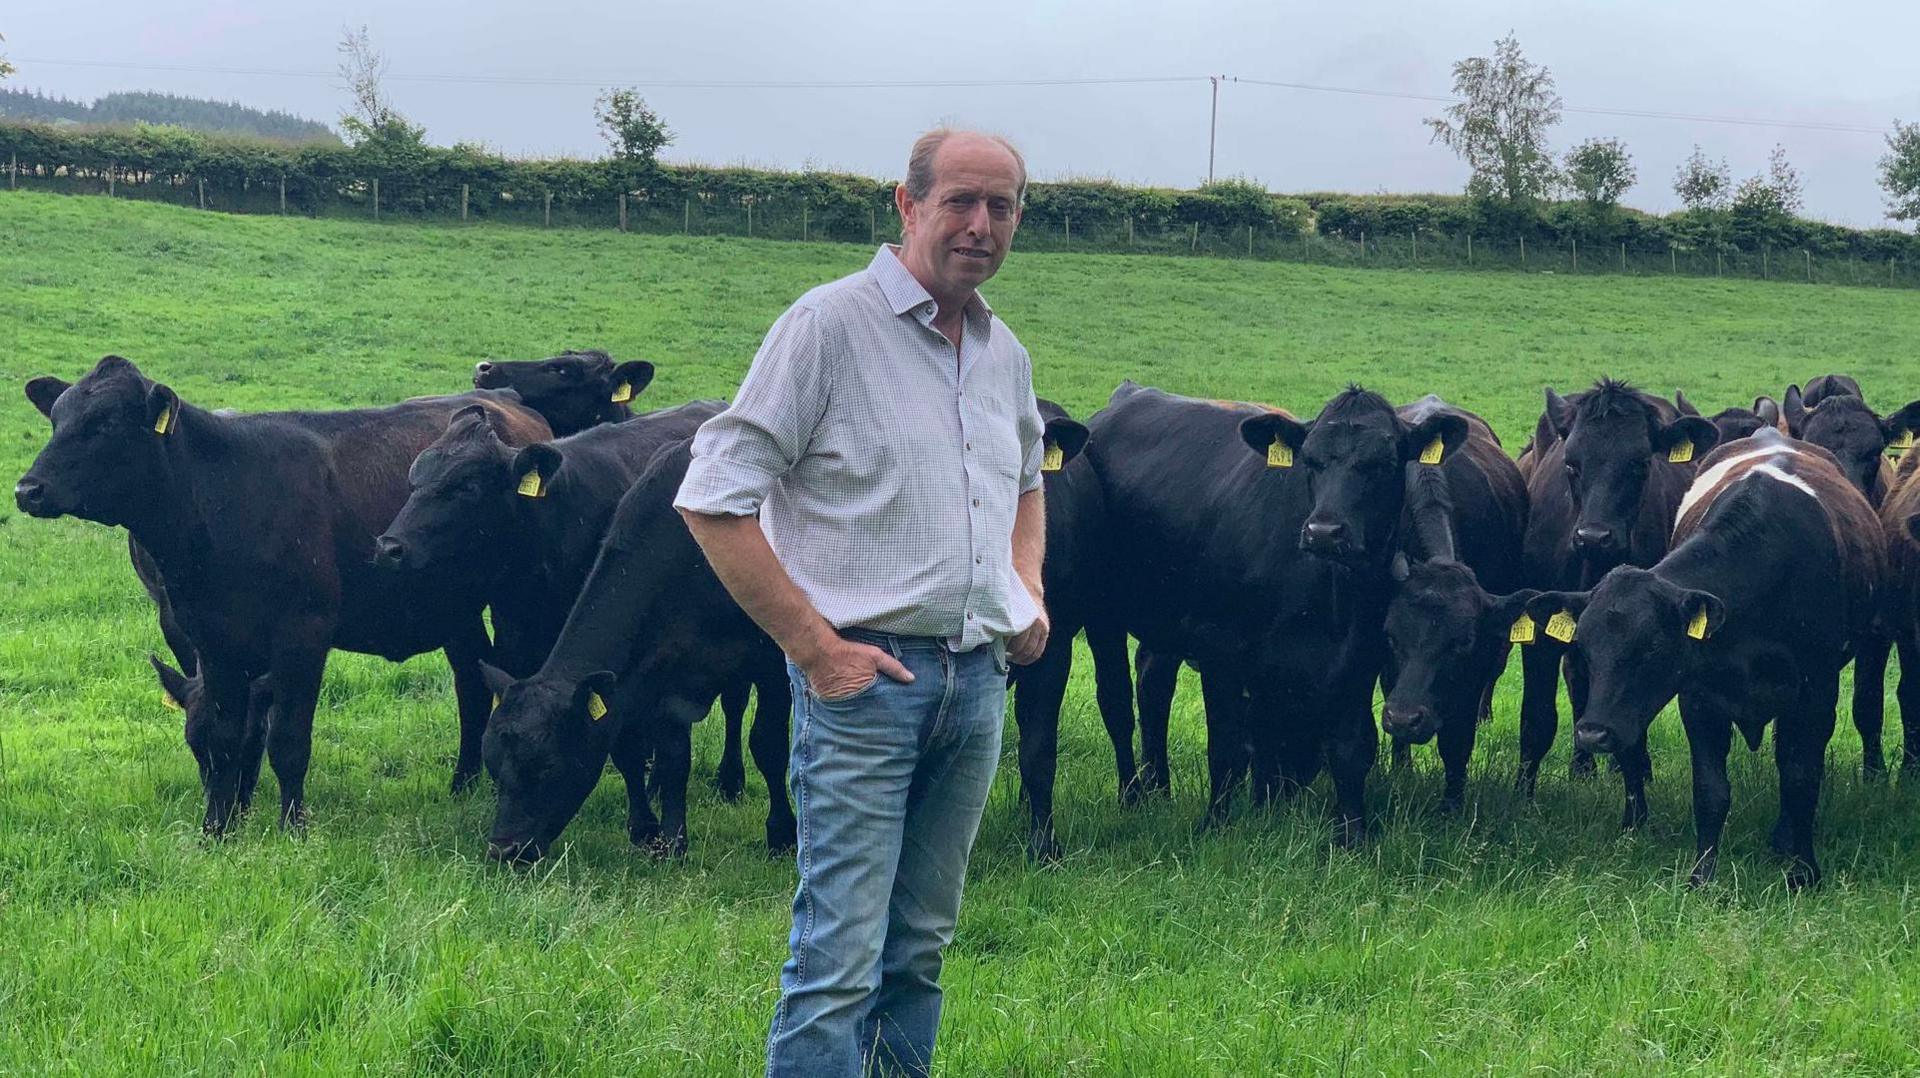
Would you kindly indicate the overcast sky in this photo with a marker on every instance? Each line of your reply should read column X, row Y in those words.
column 1850, row 62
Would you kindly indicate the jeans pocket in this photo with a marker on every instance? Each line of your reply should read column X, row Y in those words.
column 850, row 698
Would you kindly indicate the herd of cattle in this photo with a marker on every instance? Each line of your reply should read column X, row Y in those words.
column 1637, row 548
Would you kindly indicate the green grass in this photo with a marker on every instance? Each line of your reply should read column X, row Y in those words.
column 1515, row 938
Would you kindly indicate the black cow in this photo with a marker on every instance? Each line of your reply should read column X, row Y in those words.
column 1843, row 424
column 1748, row 620
column 1461, row 528
column 1831, row 385
column 1256, row 547
column 1736, row 422
column 650, row 643
column 262, row 528
column 573, row 390
column 1603, row 493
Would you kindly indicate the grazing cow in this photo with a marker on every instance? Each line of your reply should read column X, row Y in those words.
column 1748, row 619
column 1737, row 422
column 1461, row 528
column 1604, row 493
column 1075, row 580
column 651, row 641
column 262, row 528
column 1844, row 425
column 573, row 390
column 1256, row 547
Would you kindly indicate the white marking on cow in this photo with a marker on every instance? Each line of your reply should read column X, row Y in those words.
column 1773, row 471
column 1710, row 480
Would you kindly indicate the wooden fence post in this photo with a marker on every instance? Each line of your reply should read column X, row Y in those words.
column 1576, row 254
column 376, row 198
column 283, row 195
column 805, row 216
column 873, row 225
column 749, row 220
column 1673, row 260
column 1193, row 246
column 13, row 171
column 1719, row 263
column 1415, row 236
column 1469, row 248
column 1623, row 258
column 1764, row 253
column 623, row 211
column 546, row 218
column 1523, row 250
column 1069, row 220
column 686, row 217
column 1363, row 246
column 463, row 202
column 113, row 170
column 201, row 181
column 1129, row 230
column 1809, row 255
column 1249, row 241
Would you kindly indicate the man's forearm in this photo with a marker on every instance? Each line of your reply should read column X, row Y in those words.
column 742, row 559
column 1030, row 539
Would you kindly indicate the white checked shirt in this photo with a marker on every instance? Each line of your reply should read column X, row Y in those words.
column 885, row 473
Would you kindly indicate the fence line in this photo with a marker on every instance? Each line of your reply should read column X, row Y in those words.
column 768, row 218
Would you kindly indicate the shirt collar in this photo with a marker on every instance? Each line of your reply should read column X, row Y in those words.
column 904, row 292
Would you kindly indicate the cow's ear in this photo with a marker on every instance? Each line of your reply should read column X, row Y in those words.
column 1686, row 439
column 1559, row 413
column 163, row 409
column 496, row 680
column 590, row 696
column 1794, row 407
column 1684, row 405
column 1900, row 427
column 1702, row 613
column 44, row 390
column 1506, row 618
column 628, row 379
column 533, row 468
column 174, row 684
column 1768, row 410
column 1274, row 436
column 1435, row 438
column 1065, row 439
column 1555, row 612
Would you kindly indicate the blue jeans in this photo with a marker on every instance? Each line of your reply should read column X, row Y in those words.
column 889, row 784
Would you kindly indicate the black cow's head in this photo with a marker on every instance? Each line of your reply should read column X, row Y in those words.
column 545, row 747
column 1820, row 387
column 1065, row 437
column 106, row 460
column 573, row 390
column 1615, row 436
column 1443, row 631
column 188, row 694
column 1637, row 636
column 1352, row 456
column 460, row 499
column 1736, row 422
column 1847, row 427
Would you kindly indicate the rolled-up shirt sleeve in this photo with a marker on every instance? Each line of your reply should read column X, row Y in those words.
column 739, row 454
column 1032, row 430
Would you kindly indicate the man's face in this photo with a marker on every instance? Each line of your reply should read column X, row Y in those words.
column 959, row 234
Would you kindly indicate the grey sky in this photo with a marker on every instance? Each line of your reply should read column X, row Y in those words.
column 1843, row 62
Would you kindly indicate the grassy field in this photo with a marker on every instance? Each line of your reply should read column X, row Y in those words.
column 1517, row 937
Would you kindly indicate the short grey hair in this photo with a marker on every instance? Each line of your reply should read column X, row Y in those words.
column 919, row 183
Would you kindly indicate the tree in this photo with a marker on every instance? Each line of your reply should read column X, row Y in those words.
column 372, row 119
column 1900, row 172
column 1703, row 184
column 1776, row 192
column 1500, row 129
column 1600, row 171
column 633, row 131
column 5, row 68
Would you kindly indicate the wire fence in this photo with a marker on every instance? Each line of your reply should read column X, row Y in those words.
column 779, row 219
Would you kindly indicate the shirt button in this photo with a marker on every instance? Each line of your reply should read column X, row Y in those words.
column 969, row 615
column 976, row 561
column 976, row 503
column 969, row 447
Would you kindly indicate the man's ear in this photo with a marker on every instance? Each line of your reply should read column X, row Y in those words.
column 1265, row 431
column 1434, row 439
column 1686, row 439
column 628, row 380
column 44, row 390
column 163, row 409
column 1067, row 435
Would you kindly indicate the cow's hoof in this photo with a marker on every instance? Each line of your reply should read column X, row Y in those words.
column 1802, row 875
column 1349, row 833
column 463, row 781
column 665, row 847
column 1043, row 848
column 729, row 785
column 781, row 838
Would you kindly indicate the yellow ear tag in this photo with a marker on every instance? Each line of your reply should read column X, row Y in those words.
column 167, row 699
column 1560, row 626
column 1433, row 452
column 623, row 393
column 596, row 707
column 1279, row 455
column 496, row 701
column 1523, row 631
column 164, row 424
column 1056, row 457
column 1681, row 453
column 1697, row 628
column 1900, row 445
column 530, row 485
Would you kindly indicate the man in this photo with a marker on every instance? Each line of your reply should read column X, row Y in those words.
column 887, row 437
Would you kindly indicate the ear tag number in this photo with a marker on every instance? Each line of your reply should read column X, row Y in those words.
column 164, row 424
column 530, row 485
column 1561, row 626
column 1279, row 455
column 596, row 707
column 1697, row 628
column 1524, row 631
column 1681, row 453
column 623, row 393
column 1434, row 451
column 1054, row 459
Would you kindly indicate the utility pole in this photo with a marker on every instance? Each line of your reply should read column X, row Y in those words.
column 1213, row 122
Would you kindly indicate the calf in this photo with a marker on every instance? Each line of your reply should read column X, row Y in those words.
column 262, row 527
column 573, row 390
column 651, row 641
column 1748, row 620
column 1604, row 493
column 1256, row 547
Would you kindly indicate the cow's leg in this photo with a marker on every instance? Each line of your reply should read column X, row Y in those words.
column 1036, row 710
column 1456, row 738
column 1869, row 703
column 1353, row 743
column 296, row 689
column 1709, row 734
column 1113, row 690
column 672, row 762
column 731, row 776
column 218, row 734
column 1800, row 753
column 1909, row 693
column 1635, row 765
column 772, row 711
column 464, row 653
column 1581, row 765
column 1159, row 677
column 1227, row 755
column 1539, row 711
column 259, row 715
column 629, row 753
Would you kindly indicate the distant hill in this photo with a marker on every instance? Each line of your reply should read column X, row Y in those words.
column 198, row 114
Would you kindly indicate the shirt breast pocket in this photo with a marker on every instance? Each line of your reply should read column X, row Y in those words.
column 995, row 438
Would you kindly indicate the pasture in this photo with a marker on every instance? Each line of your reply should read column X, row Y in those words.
column 1514, row 937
